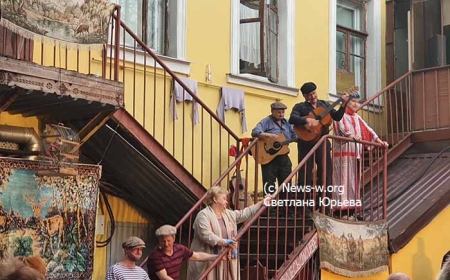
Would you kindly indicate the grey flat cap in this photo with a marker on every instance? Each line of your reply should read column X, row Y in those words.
column 133, row 242
column 277, row 105
column 166, row 230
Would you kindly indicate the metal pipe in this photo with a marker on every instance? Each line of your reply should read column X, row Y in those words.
column 26, row 136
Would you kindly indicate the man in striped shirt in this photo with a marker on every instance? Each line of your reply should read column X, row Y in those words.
column 127, row 269
column 165, row 262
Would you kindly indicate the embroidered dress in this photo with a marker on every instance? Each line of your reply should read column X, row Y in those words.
column 347, row 157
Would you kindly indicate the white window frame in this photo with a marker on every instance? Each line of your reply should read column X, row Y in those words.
column 177, row 31
column 286, row 51
column 373, row 47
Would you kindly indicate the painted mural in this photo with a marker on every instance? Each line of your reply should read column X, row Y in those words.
column 71, row 21
column 50, row 216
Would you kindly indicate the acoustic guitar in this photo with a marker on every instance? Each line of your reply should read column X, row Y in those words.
column 267, row 149
column 313, row 134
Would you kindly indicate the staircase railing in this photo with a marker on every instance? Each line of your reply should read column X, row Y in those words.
column 283, row 234
column 184, row 226
column 389, row 111
column 277, row 247
column 198, row 139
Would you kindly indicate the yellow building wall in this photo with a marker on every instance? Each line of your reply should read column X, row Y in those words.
column 123, row 212
column 421, row 258
column 208, row 43
column 19, row 120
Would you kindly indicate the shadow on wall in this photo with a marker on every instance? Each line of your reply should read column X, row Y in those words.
column 422, row 268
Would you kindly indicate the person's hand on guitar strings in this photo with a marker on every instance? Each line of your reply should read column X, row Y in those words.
column 269, row 136
column 310, row 122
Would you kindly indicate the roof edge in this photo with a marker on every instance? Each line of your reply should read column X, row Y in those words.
column 397, row 243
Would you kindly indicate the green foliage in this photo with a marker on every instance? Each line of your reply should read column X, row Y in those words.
column 23, row 246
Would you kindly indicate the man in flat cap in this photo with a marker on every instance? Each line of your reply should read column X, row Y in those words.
column 299, row 117
column 275, row 128
column 127, row 268
column 165, row 262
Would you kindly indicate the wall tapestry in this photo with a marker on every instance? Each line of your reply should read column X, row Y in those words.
column 50, row 216
column 69, row 21
column 352, row 249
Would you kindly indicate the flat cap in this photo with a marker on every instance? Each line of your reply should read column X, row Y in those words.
column 166, row 230
column 308, row 87
column 133, row 242
column 278, row 105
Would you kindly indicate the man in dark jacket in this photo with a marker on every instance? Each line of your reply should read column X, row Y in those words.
column 299, row 117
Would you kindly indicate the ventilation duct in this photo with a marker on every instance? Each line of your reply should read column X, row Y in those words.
column 24, row 136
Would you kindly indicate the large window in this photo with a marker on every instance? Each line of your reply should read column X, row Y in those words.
column 351, row 45
column 258, row 50
column 147, row 19
column 161, row 24
column 263, row 45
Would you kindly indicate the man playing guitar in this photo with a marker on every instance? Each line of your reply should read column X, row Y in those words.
column 270, row 127
column 298, row 117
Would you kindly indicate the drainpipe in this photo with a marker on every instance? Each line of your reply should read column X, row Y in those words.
column 25, row 136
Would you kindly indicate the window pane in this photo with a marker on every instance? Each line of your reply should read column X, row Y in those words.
column 350, row 15
column 340, row 61
column 357, row 66
column 132, row 16
column 345, row 17
column 250, row 43
column 249, row 10
column 155, row 25
column 341, row 39
column 356, row 45
column 272, row 51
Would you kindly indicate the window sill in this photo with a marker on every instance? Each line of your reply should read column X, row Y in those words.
column 370, row 108
column 176, row 65
column 260, row 83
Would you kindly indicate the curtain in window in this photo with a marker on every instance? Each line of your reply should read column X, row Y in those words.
column 133, row 15
column 155, row 25
column 250, row 49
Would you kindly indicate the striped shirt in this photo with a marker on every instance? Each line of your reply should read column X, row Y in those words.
column 158, row 261
column 121, row 272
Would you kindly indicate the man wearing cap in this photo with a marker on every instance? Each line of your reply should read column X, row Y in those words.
column 298, row 117
column 270, row 127
column 127, row 269
column 165, row 262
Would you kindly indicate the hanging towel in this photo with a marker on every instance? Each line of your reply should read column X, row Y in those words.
column 181, row 95
column 232, row 99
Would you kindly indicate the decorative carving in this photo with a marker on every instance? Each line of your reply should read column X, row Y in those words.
column 5, row 77
column 62, row 82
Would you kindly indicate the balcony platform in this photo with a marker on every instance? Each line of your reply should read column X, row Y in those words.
column 46, row 92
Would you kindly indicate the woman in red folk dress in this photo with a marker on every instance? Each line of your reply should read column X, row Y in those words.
column 347, row 159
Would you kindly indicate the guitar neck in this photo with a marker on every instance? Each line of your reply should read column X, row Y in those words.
column 331, row 107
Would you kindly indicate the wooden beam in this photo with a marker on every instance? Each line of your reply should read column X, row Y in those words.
column 131, row 125
column 60, row 81
column 10, row 101
column 91, row 128
column 428, row 136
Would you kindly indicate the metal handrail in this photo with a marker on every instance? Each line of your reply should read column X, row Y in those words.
column 167, row 69
column 256, row 216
